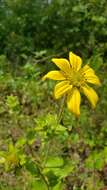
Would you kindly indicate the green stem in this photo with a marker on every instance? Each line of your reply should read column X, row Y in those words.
column 61, row 109
column 59, row 120
column 44, row 178
column 49, row 145
column 40, row 169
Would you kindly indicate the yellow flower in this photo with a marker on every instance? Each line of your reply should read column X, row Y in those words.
column 74, row 80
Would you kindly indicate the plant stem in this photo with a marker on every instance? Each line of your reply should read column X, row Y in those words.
column 59, row 120
column 61, row 109
column 49, row 144
column 43, row 177
column 40, row 169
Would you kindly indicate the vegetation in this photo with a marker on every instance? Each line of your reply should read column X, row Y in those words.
column 39, row 150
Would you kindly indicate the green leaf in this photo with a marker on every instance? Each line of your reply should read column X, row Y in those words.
column 95, row 161
column 58, row 186
column 20, row 142
column 2, row 160
column 64, row 171
column 38, row 185
column 60, row 128
column 31, row 167
column 54, row 162
column 22, row 159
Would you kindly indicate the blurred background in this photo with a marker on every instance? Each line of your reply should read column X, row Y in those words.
column 53, row 25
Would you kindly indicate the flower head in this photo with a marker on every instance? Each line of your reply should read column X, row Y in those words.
column 73, row 80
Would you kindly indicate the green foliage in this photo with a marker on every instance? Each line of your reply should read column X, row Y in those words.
column 30, row 26
column 38, row 184
column 39, row 149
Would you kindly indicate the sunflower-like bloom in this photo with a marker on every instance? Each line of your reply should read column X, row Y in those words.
column 73, row 80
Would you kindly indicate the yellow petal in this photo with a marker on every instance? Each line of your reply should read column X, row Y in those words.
column 87, row 70
column 73, row 101
column 54, row 75
column 93, row 79
column 63, row 64
column 90, row 94
column 90, row 76
column 61, row 88
column 75, row 61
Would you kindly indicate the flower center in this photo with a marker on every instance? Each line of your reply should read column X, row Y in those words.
column 76, row 78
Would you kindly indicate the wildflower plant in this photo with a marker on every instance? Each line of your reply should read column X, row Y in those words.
column 74, row 80
column 48, row 152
